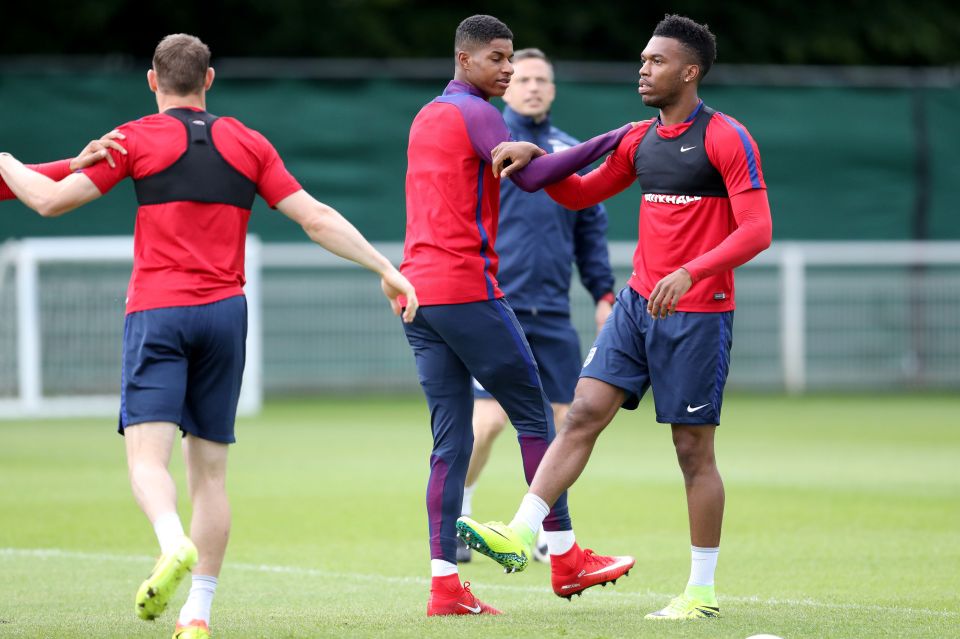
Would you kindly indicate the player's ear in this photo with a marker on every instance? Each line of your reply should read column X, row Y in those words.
column 152, row 80
column 463, row 59
column 691, row 73
column 208, row 81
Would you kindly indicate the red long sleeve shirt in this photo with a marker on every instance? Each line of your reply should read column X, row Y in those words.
column 708, row 236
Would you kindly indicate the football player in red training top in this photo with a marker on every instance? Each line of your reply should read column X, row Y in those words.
column 195, row 176
column 704, row 212
column 465, row 326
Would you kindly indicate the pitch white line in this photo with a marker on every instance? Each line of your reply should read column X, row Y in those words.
column 57, row 553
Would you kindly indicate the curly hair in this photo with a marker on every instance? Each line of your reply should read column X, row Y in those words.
column 695, row 37
column 477, row 31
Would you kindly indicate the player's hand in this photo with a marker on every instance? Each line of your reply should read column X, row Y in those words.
column 509, row 157
column 394, row 285
column 667, row 293
column 98, row 150
column 604, row 308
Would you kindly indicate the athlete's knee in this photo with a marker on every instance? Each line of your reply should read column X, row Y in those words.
column 587, row 417
column 206, row 478
column 142, row 471
column 694, row 451
column 138, row 465
column 489, row 420
column 560, row 414
column 487, row 430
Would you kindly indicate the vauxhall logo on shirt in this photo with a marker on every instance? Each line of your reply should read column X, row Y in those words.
column 661, row 198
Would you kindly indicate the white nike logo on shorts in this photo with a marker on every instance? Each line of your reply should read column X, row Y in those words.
column 691, row 409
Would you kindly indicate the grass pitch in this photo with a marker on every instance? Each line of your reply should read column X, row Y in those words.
column 843, row 520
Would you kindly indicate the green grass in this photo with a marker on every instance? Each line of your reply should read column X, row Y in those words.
column 843, row 520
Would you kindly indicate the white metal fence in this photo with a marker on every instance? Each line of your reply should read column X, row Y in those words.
column 61, row 325
column 859, row 316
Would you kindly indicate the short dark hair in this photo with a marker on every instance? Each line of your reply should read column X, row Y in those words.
column 477, row 31
column 181, row 62
column 696, row 37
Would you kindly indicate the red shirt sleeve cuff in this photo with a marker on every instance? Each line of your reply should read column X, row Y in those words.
column 56, row 171
column 694, row 275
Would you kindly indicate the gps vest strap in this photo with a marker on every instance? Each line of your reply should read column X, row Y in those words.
column 200, row 174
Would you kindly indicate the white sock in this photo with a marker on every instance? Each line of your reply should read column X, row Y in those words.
column 559, row 541
column 198, row 603
column 467, row 508
column 703, row 564
column 531, row 513
column 441, row 568
column 169, row 531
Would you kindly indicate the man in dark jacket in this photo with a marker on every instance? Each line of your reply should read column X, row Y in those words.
column 538, row 242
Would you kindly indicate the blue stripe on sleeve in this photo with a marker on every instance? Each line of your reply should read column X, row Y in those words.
column 748, row 149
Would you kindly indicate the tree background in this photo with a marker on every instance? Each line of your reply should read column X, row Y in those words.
column 860, row 32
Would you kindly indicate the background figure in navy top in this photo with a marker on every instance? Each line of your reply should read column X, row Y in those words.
column 538, row 242
column 465, row 328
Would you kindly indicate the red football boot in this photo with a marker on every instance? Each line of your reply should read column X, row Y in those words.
column 448, row 597
column 576, row 570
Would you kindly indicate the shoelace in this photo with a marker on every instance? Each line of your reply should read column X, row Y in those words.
column 592, row 558
column 466, row 587
column 678, row 604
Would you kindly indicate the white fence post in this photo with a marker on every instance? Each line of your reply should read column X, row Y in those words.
column 251, row 391
column 29, row 362
column 793, row 318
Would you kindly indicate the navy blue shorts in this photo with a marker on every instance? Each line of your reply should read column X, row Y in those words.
column 184, row 364
column 556, row 347
column 685, row 357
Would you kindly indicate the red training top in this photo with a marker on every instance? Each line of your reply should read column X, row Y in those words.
column 453, row 200
column 707, row 235
column 190, row 253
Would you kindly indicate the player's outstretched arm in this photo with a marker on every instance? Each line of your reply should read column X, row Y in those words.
column 511, row 156
column 43, row 195
column 325, row 226
column 95, row 151
column 580, row 192
column 543, row 170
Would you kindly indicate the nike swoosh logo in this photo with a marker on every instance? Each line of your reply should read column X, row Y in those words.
column 494, row 530
column 621, row 561
column 684, row 149
column 475, row 610
column 691, row 409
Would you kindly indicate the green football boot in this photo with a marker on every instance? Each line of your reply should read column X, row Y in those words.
column 687, row 607
column 498, row 541
column 155, row 593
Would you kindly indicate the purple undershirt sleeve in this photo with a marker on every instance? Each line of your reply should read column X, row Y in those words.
column 485, row 126
column 553, row 167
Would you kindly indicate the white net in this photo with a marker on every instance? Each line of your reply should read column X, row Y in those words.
column 61, row 326
column 857, row 317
